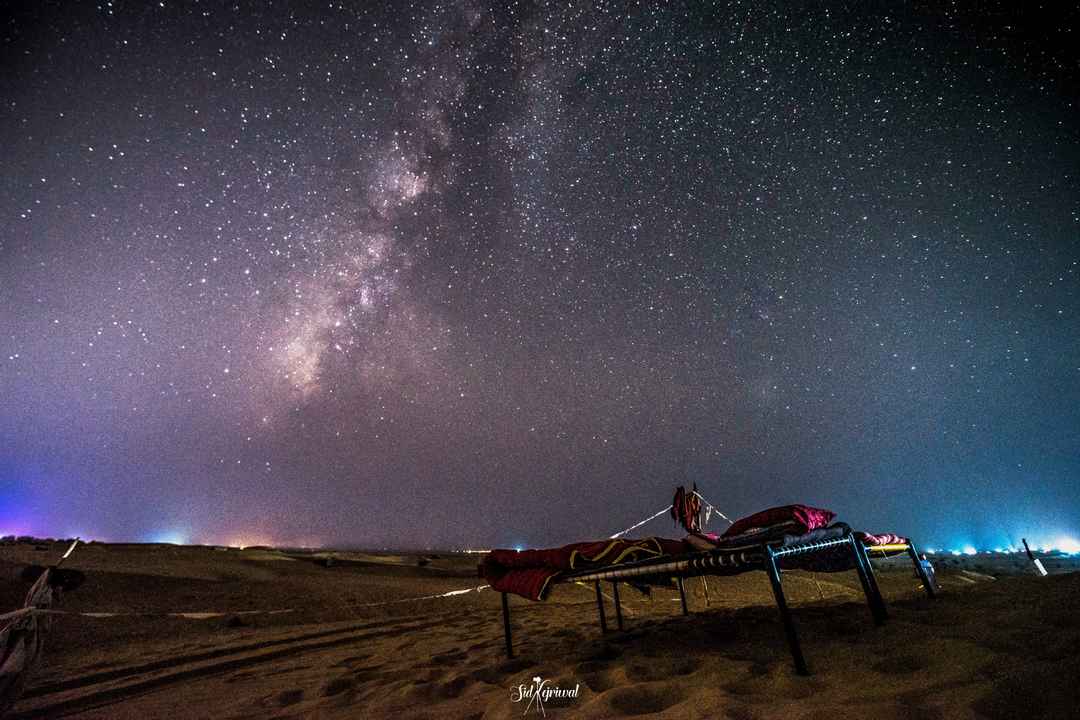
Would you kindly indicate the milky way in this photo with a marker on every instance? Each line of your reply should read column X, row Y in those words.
column 447, row 274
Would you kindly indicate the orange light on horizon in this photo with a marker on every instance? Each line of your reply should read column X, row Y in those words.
column 245, row 541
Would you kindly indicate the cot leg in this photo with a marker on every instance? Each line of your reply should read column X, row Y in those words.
column 506, row 626
column 600, row 607
column 869, row 584
column 682, row 596
column 872, row 576
column 618, row 606
column 927, row 582
column 785, row 614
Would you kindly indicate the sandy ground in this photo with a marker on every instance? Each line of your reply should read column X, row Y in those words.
column 999, row 642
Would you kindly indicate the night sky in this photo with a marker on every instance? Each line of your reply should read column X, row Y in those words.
column 469, row 274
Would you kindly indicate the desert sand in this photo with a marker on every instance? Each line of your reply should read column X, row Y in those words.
column 274, row 634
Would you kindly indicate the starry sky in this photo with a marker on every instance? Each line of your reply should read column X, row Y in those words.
column 490, row 274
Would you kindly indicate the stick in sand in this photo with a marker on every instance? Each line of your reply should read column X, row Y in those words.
column 1032, row 558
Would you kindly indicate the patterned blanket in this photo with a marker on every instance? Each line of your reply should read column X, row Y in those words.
column 529, row 573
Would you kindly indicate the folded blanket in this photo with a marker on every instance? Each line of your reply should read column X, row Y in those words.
column 529, row 572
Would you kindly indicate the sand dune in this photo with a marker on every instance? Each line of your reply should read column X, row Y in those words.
column 995, row 645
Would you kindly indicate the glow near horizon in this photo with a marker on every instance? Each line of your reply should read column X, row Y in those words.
column 21, row 527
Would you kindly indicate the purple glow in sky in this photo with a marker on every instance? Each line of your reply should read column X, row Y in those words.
column 462, row 274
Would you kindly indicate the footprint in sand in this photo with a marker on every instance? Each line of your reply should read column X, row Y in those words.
column 240, row 677
column 490, row 676
column 429, row 690
column 721, row 633
column 597, row 675
column 607, row 652
column 644, row 699
column 515, row 666
column 899, row 665
column 449, row 658
column 662, row 669
column 350, row 662
column 290, row 697
column 498, row 674
column 271, row 673
column 847, row 628
column 455, row 687
column 338, row 686
column 366, row 674
column 738, row 712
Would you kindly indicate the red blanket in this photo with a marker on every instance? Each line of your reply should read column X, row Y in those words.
column 529, row 573
column 791, row 519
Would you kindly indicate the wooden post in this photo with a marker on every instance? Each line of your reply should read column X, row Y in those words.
column 506, row 626
column 1037, row 562
column 682, row 596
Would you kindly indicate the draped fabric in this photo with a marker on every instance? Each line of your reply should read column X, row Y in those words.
column 529, row 573
column 792, row 519
column 685, row 508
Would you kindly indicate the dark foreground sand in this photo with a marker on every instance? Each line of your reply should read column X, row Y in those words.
column 1000, row 643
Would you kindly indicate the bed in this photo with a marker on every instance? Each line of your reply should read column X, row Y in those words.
column 778, row 539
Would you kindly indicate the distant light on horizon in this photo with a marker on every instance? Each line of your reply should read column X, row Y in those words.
column 245, row 541
column 1068, row 545
column 170, row 537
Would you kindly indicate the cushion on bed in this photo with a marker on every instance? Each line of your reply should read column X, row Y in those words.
column 787, row 519
column 882, row 539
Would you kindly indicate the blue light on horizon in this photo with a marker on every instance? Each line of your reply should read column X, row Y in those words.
column 1068, row 544
column 170, row 537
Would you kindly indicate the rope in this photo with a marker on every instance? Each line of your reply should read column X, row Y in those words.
column 451, row 593
column 714, row 508
column 217, row 614
column 635, row 527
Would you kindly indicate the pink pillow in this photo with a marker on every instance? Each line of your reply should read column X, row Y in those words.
column 798, row 518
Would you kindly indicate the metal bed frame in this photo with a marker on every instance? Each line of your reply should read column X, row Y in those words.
column 734, row 561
